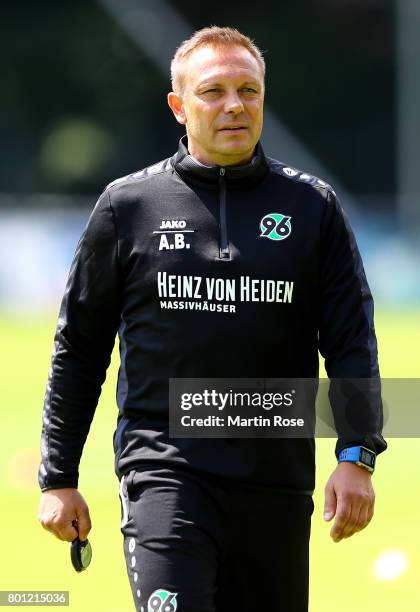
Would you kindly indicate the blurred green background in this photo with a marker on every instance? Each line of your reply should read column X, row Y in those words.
column 83, row 101
column 376, row 570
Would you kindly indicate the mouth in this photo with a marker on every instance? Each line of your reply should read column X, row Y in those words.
column 234, row 129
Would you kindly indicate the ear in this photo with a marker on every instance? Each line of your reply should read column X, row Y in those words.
column 177, row 107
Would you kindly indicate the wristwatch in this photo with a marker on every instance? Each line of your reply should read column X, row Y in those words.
column 360, row 455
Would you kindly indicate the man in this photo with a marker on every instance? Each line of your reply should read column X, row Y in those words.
column 211, row 524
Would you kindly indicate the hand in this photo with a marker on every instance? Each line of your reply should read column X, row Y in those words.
column 349, row 495
column 65, row 514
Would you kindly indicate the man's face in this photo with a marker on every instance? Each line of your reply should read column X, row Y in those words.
column 221, row 105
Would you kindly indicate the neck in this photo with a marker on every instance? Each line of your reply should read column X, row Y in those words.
column 240, row 176
column 219, row 160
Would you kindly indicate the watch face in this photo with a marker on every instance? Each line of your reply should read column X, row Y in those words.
column 367, row 457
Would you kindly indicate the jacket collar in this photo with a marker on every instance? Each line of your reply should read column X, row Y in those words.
column 236, row 177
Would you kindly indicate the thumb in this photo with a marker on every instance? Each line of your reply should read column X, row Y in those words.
column 84, row 524
column 330, row 504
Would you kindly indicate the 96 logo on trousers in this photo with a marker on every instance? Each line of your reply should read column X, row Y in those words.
column 275, row 226
column 162, row 601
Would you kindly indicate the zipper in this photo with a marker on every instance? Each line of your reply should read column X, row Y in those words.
column 224, row 251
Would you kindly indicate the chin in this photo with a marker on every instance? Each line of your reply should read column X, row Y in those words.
column 236, row 150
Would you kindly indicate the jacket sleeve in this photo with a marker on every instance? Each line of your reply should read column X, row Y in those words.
column 347, row 337
column 84, row 338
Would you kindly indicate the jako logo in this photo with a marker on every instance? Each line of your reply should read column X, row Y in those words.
column 162, row 601
column 173, row 224
column 275, row 226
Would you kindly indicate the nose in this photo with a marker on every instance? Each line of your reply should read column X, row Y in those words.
column 233, row 104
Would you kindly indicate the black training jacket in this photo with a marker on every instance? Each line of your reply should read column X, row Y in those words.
column 148, row 236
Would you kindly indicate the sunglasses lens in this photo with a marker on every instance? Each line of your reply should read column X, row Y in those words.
column 81, row 554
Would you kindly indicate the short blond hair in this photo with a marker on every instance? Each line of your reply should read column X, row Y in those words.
column 214, row 36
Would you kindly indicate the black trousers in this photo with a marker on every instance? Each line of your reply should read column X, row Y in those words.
column 195, row 545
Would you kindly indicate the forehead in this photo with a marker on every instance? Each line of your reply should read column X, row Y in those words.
column 210, row 63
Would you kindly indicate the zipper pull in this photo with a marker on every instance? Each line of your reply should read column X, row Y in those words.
column 224, row 252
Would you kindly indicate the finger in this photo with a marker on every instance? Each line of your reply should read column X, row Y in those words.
column 342, row 515
column 45, row 525
column 371, row 511
column 366, row 514
column 363, row 518
column 67, row 532
column 330, row 503
column 50, row 527
column 84, row 524
column 60, row 534
column 353, row 522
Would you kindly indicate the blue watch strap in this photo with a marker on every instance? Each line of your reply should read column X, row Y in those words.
column 350, row 454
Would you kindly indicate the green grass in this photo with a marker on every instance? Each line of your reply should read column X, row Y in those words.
column 341, row 574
